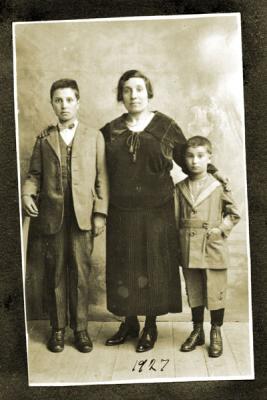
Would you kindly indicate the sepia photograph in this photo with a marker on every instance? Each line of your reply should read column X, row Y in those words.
column 132, row 186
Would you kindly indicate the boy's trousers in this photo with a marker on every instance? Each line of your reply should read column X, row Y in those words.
column 67, row 275
column 206, row 287
column 68, row 255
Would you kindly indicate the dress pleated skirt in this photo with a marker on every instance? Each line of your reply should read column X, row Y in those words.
column 142, row 272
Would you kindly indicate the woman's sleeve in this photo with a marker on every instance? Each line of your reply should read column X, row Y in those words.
column 178, row 139
column 176, row 206
column 105, row 132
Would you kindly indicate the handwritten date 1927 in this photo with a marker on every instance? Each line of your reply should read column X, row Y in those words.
column 153, row 365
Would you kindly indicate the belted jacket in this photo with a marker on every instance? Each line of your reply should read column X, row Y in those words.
column 213, row 207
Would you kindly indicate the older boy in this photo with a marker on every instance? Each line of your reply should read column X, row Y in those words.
column 205, row 214
column 67, row 190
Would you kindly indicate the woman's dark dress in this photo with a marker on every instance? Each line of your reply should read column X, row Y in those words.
column 142, row 247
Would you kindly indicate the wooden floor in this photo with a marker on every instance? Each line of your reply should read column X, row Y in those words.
column 121, row 363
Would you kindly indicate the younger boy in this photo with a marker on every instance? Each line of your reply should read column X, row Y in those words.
column 205, row 215
column 67, row 190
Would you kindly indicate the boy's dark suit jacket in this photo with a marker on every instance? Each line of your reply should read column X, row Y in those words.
column 89, row 178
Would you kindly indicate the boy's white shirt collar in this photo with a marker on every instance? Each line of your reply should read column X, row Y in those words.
column 67, row 133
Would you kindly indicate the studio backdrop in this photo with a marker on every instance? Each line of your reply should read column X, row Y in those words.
column 196, row 71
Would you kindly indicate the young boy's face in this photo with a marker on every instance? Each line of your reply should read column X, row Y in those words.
column 197, row 159
column 65, row 104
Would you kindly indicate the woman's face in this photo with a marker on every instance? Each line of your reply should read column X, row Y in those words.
column 134, row 95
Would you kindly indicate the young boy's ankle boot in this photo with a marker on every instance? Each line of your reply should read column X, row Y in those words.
column 196, row 338
column 216, row 344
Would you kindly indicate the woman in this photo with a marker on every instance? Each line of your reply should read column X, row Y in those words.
column 142, row 256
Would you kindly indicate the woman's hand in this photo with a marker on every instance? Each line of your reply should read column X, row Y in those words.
column 224, row 181
column 214, row 234
column 29, row 206
column 99, row 223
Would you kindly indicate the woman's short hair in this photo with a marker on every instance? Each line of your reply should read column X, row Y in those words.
column 63, row 84
column 196, row 141
column 133, row 73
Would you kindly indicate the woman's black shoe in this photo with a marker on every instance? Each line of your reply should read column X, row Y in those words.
column 147, row 340
column 123, row 333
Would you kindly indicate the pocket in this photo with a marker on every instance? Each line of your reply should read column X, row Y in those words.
column 216, row 252
column 215, row 236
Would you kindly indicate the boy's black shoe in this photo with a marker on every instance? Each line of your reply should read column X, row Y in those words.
column 82, row 341
column 196, row 338
column 125, row 331
column 148, row 338
column 216, row 344
column 56, row 341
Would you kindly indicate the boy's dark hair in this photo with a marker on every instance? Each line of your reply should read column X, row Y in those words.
column 133, row 73
column 65, row 83
column 196, row 141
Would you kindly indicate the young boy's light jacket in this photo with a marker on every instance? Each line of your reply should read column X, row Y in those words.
column 214, row 207
column 89, row 181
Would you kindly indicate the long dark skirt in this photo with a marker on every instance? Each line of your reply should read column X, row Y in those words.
column 142, row 262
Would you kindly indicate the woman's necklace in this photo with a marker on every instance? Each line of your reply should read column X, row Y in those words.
column 131, row 124
column 139, row 124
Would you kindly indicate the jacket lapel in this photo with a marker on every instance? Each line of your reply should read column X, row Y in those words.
column 209, row 187
column 53, row 140
column 183, row 186
column 78, row 143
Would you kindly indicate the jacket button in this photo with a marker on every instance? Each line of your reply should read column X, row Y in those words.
column 138, row 189
column 192, row 233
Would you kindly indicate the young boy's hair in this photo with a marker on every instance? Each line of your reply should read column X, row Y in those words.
column 196, row 141
column 65, row 83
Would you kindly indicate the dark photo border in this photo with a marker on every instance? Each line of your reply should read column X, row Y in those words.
column 13, row 365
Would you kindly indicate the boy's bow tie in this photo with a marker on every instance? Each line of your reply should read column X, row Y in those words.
column 70, row 126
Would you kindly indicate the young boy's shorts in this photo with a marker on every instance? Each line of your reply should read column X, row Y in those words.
column 206, row 287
